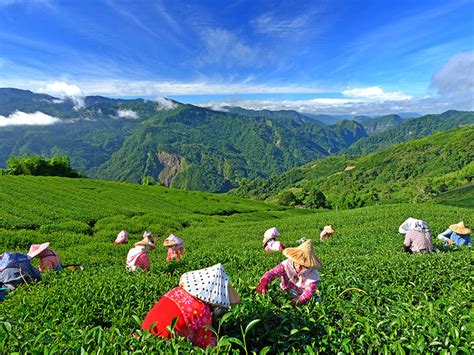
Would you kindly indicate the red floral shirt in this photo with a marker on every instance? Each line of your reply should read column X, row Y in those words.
column 194, row 317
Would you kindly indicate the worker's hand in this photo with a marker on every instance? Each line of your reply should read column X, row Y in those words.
column 261, row 288
column 294, row 302
column 450, row 241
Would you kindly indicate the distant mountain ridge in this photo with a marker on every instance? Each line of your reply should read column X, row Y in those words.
column 408, row 129
column 170, row 143
column 405, row 172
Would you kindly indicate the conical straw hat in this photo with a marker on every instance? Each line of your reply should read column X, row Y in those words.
column 145, row 242
column 37, row 249
column 328, row 229
column 460, row 228
column 234, row 297
column 210, row 285
column 304, row 255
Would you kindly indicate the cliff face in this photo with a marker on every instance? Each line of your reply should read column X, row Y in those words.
column 171, row 165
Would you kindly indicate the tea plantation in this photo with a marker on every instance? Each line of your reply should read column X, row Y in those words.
column 374, row 297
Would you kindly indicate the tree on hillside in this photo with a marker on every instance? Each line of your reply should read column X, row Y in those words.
column 315, row 199
column 36, row 165
column 287, row 198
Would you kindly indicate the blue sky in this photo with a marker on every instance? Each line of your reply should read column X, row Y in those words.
column 359, row 57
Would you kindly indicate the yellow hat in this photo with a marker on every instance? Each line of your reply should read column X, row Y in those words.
column 460, row 228
column 145, row 242
column 304, row 255
column 328, row 229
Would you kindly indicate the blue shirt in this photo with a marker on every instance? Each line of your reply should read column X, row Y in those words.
column 456, row 238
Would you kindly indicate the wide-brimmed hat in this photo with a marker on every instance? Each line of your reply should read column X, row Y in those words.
column 148, row 235
column 145, row 242
column 460, row 228
column 37, row 249
column 210, row 285
column 304, row 255
column 328, row 229
column 270, row 234
column 172, row 240
column 412, row 223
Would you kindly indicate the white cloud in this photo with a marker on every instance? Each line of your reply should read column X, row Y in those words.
column 19, row 118
column 375, row 93
column 65, row 90
column 347, row 106
column 267, row 23
column 226, row 48
column 456, row 76
column 165, row 104
column 130, row 114
column 119, row 87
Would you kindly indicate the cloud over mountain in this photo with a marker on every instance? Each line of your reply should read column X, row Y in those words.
column 19, row 118
column 65, row 91
column 130, row 114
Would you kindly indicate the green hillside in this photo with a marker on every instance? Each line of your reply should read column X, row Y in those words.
column 373, row 296
column 212, row 150
column 461, row 196
column 177, row 145
column 410, row 171
column 381, row 124
column 410, row 129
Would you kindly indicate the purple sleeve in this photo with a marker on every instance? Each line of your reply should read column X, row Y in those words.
column 308, row 292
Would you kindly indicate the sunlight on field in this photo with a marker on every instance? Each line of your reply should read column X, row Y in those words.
column 374, row 297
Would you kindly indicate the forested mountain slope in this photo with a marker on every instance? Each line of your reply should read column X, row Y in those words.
column 409, row 129
column 405, row 172
column 166, row 142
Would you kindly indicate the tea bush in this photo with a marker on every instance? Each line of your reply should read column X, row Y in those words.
column 374, row 298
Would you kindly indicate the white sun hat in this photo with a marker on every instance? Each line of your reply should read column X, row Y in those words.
column 412, row 223
column 270, row 234
column 210, row 285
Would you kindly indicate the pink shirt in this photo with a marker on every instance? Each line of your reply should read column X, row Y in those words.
column 304, row 285
column 50, row 261
column 273, row 245
column 324, row 235
column 138, row 258
column 175, row 252
column 418, row 241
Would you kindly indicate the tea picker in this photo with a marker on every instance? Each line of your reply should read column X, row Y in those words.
column 192, row 304
column 270, row 244
column 49, row 260
column 298, row 273
column 175, row 247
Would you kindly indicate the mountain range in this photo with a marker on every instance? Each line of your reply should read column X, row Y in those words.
column 184, row 146
column 167, row 142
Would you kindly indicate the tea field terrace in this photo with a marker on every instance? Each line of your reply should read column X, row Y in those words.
column 374, row 297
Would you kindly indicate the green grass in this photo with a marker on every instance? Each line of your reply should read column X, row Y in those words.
column 375, row 298
column 462, row 197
